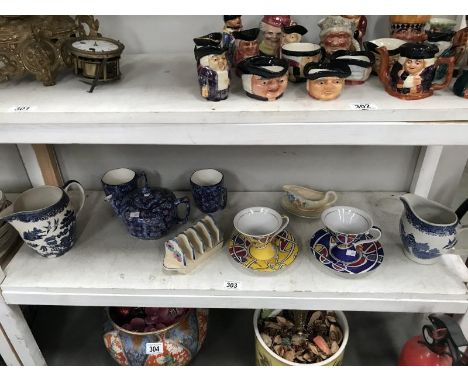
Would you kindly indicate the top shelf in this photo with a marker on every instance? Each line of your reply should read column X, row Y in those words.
column 162, row 90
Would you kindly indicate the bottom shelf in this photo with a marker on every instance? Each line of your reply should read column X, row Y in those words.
column 72, row 336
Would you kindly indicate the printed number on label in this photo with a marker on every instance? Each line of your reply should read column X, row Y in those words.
column 154, row 348
column 232, row 285
column 21, row 108
column 362, row 106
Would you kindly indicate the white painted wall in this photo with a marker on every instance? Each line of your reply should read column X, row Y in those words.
column 248, row 168
column 13, row 177
column 172, row 34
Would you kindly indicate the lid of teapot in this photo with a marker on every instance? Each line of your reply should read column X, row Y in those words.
column 418, row 50
column 147, row 198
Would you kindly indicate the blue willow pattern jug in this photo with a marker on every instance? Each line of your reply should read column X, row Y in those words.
column 45, row 217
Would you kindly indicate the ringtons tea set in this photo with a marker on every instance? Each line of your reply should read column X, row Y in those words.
column 419, row 57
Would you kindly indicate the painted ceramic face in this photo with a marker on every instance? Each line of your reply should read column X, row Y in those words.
column 271, row 35
column 286, row 38
column 235, row 24
column 326, row 88
column 305, row 60
column 248, row 48
column 334, row 41
column 218, row 62
column 270, row 88
column 413, row 66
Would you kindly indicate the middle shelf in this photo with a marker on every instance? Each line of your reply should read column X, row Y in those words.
column 107, row 267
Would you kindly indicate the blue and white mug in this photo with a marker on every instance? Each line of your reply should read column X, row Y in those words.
column 117, row 184
column 208, row 190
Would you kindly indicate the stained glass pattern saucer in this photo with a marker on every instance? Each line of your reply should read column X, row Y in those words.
column 285, row 256
column 372, row 256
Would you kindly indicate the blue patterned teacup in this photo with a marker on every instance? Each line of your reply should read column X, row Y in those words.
column 117, row 184
column 350, row 228
column 208, row 191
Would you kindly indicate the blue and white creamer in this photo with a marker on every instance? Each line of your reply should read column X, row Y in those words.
column 429, row 229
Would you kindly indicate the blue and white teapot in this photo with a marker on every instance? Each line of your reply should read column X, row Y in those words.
column 45, row 217
column 429, row 229
column 149, row 213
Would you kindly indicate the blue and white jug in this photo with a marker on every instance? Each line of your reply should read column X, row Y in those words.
column 45, row 217
column 429, row 229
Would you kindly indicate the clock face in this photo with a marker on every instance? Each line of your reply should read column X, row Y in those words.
column 97, row 46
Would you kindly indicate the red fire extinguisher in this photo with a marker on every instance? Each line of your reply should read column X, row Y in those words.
column 439, row 344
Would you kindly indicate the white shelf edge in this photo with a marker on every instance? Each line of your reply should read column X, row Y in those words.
column 238, row 300
column 360, row 134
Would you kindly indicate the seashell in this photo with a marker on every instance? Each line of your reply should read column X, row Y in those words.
column 308, row 357
column 277, row 339
column 286, row 341
column 297, row 340
column 267, row 339
column 300, row 358
column 284, row 322
column 336, row 334
column 334, row 347
column 289, row 355
column 323, row 356
column 313, row 349
column 314, row 317
column 322, row 344
column 331, row 318
column 279, row 349
column 272, row 325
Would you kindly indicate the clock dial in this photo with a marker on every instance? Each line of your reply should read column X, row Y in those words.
column 97, row 46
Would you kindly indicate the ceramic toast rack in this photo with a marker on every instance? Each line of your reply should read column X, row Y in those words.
column 193, row 246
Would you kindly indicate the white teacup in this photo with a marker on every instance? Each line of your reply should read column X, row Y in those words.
column 349, row 227
column 260, row 225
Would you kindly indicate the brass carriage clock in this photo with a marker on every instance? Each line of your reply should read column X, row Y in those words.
column 96, row 58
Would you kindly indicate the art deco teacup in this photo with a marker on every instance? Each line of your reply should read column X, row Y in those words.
column 260, row 225
column 349, row 227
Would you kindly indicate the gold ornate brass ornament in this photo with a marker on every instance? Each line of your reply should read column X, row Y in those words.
column 96, row 58
column 34, row 44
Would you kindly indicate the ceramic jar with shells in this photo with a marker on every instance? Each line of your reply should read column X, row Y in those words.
column 289, row 338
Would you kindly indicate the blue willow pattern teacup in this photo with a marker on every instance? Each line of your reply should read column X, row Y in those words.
column 117, row 184
column 208, row 191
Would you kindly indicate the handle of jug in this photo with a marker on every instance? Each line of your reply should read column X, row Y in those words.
column 76, row 200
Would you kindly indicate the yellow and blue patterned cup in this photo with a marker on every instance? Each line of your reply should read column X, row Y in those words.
column 264, row 356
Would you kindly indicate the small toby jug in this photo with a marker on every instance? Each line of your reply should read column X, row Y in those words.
column 45, row 217
column 429, row 230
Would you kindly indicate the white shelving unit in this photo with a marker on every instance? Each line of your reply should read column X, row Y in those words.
column 157, row 102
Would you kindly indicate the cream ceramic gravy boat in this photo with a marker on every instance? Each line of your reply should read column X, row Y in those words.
column 309, row 199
